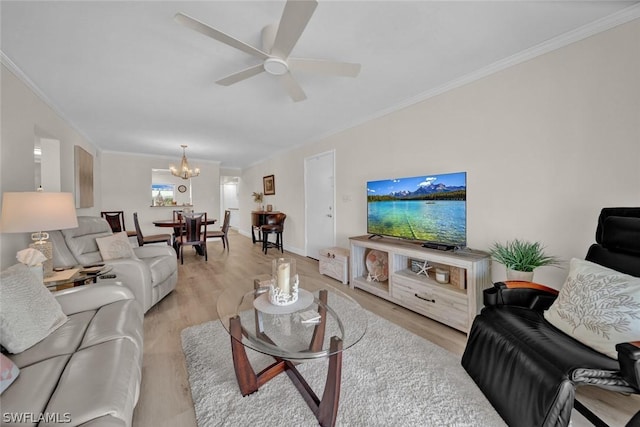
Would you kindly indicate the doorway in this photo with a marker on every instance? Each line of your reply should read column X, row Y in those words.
column 319, row 190
column 229, row 198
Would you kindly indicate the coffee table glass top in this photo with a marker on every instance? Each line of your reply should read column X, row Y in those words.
column 76, row 275
column 280, row 331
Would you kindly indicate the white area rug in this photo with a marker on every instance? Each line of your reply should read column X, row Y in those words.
column 390, row 378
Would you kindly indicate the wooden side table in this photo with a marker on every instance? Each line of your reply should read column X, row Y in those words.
column 258, row 219
column 76, row 276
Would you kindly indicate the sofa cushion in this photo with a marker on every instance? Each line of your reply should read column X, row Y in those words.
column 64, row 340
column 81, row 241
column 8, row 372
column 28, row 311
column 99, row 380
column 115, row 246
column 121, row 319
column 597, row 306
column 28, row 395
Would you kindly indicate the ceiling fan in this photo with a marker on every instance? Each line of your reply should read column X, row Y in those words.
column 276, row 47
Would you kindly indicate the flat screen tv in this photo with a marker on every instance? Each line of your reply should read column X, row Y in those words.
column 429, row 208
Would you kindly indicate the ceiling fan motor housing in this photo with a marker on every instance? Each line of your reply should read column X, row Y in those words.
column 276, row 66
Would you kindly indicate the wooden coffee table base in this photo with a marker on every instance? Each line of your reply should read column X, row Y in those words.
column 325, row 410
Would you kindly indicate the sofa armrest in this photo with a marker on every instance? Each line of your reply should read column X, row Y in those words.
column 135, row 275
column 629, row 359
column 150, row 251
column 523, row 294
column 90, row 297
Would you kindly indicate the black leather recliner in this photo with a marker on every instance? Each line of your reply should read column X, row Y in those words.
column 527, row 368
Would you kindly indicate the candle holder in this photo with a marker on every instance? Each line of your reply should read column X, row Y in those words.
column 284, row 287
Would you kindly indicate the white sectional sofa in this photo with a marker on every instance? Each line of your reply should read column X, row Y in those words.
column 87, row 372
column 151, row 274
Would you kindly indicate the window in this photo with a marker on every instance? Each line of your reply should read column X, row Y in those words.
column 175, row 191
column 163, row 194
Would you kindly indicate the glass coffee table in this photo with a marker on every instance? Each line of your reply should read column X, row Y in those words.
column 321, row 324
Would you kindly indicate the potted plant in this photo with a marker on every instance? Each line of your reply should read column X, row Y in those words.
column 257, row 197
column 521, row 258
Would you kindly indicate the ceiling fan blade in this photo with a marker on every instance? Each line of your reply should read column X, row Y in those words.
column 295, row 17
column 321, row 66
column 202, row 28
column 241, row 75
column 293, row 88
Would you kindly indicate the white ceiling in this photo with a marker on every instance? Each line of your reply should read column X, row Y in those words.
column 131, row 79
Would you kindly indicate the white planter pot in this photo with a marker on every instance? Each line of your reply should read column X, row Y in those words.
column 520, row 276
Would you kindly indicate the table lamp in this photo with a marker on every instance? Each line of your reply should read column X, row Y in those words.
column 38, row 212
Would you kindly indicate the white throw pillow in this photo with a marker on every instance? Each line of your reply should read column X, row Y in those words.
column 597, row 306
column 115, row 246
column 28, row 311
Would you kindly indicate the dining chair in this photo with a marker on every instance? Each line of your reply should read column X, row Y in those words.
column 116, row 222
column 222, row 233
column 177, row 218
column 193, row 233
column 155, row 238
column 274, row 224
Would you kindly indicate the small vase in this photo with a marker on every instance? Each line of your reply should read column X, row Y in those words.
column 519, row 276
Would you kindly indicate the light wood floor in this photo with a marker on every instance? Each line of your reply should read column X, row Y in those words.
column 165, row 397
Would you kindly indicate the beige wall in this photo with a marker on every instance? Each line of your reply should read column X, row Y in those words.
column 545, row 144
column 129, row 189
column 121, row 182
column 23, row 115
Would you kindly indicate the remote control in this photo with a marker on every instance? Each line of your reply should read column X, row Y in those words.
column 97, row 264
column 108, row 276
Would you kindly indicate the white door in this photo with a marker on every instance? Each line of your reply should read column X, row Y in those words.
column 319, row 206
column 230, row 199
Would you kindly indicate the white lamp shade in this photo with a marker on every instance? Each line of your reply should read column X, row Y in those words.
column 27, row 212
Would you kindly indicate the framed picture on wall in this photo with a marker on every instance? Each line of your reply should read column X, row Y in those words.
column 269, row 184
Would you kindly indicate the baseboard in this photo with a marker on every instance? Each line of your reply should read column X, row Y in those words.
column 287, row 248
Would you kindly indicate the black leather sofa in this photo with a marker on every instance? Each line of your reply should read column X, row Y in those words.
column 527, row 368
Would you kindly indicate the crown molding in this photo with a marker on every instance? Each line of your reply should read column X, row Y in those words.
column 626, row 15
column 603, row 24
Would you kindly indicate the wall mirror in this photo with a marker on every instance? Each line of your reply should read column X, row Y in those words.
column 169, row 190
column 46, row 158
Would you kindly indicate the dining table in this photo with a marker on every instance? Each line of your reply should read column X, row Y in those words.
column 176, row 224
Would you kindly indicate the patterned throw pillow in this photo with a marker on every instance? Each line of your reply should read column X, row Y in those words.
column 8, row 372
column 597, row 306
column 115, row 246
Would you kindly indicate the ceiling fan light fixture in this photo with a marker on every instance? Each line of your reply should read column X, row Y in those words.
column 276, row 66
column 278, row 41
column 185, row 172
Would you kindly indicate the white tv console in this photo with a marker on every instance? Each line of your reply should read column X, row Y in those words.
column 455, row 303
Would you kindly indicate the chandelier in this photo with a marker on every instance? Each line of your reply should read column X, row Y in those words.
column 185, row 172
